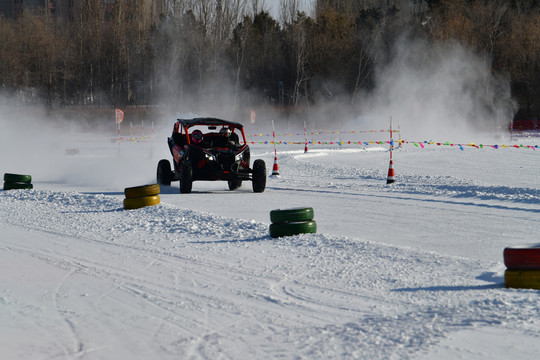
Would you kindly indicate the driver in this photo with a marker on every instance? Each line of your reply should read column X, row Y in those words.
column 197, row 136
column 226, row 133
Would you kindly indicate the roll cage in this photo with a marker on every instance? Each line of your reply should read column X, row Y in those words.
column 212, row 136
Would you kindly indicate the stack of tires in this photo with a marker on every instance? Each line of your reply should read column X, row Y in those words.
column 17, row 181
column 288, row 222
column 522, row 267
column 141, row 196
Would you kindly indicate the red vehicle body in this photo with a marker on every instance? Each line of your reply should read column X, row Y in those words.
column 222, row 153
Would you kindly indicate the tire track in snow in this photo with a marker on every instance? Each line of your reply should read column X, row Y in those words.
column 77, row 349
column 201, row 269
column 246, row 286
column 309, row 173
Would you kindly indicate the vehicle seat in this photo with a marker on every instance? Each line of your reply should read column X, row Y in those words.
column 221, row 141
column 179, row 139
column 207, row 142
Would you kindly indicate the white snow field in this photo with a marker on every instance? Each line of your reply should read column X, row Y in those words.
column 411, row 270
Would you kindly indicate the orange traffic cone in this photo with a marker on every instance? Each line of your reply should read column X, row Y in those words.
column 275, row 169
column 390, row 178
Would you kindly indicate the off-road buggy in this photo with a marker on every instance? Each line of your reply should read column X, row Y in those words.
column 210, row 149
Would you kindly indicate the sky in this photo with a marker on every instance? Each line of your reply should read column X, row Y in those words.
column 274, row 5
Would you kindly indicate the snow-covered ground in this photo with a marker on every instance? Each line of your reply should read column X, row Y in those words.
column 412, row 270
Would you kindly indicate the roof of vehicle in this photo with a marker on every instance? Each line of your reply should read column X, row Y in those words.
column 208, row 121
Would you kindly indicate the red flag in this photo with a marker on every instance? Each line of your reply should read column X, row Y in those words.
column 119, row 116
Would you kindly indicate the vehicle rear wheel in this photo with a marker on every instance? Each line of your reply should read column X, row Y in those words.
column 234, row 184
column 164, row 174
column 186, row 176
column 259, row 176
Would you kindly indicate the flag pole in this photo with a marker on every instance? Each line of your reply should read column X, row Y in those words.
column 390, row 179
column 275, row 169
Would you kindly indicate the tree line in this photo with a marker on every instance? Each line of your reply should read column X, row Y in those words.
column 234, row 52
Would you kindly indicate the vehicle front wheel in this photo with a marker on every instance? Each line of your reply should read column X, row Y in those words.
column 234, row 184
column 164, row 174
column 259, row 176
column 186, row 176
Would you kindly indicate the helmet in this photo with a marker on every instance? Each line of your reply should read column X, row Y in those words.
column 225, row 131
column 197, row 136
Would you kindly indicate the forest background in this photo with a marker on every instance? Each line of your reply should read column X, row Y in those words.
column 232, row 54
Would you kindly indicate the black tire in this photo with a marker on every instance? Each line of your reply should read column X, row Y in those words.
column 164, row 173
column 186, row 176
column 291, row 215
column 140, row 191
column 259, row 176
column 9, row 185
column 234, row 184
column 292, row 228
column 17, row 178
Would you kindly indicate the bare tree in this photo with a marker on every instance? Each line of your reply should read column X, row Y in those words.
column 176, row 8
column 240, row 38
column 288, row 10
column 296, row 38
column 522, row 56
column 258, row 6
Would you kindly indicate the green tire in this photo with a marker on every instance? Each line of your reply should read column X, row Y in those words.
column 522, row 279
column 9, row 185
column 17, row 178
column 292, row 228
column 140, row 191
column 136, row 203
column 291, row 215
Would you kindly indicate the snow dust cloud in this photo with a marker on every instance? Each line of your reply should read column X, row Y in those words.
column 440, row 92
column 28, row 143
column 179, row 91
column 443, row 92
column 72, row 147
